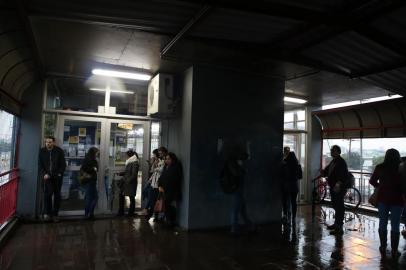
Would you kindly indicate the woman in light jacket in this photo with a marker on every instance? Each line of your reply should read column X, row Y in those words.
column 157, row 169
column 129, row 183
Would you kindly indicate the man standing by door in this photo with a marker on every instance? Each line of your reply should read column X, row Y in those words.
column 51, row 166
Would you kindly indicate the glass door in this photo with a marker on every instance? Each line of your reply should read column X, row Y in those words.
column 76, row 135
column 113, row 137
column 124, row 135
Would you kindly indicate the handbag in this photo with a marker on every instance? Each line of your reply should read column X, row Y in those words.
column 373, row 199
column 84, row 177
column 159, row 204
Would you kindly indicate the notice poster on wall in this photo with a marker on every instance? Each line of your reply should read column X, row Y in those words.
column 82, row 132
column 73, row 139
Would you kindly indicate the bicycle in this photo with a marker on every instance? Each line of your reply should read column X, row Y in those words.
column 352, row 198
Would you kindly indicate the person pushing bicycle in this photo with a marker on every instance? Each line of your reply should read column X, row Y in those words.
column 337, row 173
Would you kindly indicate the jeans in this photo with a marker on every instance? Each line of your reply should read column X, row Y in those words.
column 152, row 197
column 239, row 208
column 90, row 198
column 337, row 200
column 383, row 214
column 52, row 189
column 121, row 200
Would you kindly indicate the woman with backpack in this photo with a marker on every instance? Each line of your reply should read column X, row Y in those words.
column 387, row 178
column 90, row 168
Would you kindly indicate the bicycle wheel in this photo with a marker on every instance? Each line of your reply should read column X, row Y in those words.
column 319, row 193
column 352, row 198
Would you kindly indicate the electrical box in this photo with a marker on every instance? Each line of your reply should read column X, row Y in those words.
column 160, row 95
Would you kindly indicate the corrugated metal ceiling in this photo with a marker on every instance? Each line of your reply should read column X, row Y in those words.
column 335, row 36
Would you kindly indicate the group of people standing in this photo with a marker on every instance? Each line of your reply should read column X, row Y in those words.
column 389, row 177
column 164, row 181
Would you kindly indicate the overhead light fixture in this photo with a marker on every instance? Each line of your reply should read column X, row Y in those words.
column 295, row 100
column 122, row 74
column 113, row 91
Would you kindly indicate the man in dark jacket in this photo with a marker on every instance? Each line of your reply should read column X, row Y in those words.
column 51, row 166
column 337, row 175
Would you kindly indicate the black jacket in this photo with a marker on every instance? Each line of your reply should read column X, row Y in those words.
column 336, row 171
column 51, row 162
column 170, row 181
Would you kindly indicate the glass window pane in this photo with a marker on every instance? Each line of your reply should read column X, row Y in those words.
column 155, row 135
column 301, row 115
column 78, row 137
column 290, row 141
column 288, row 117
column 288, row 125
column 49, row 124
column 327, row 144
column 301, row 125
column 73, row 95
column 130, row 103
column 7, row 143
column 125, row 136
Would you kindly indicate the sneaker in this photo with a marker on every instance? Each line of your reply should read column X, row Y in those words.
column 46, row 217
column 331, row 227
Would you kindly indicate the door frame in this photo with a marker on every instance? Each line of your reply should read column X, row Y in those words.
column 102, row 148
column 102, row 205
column 145, row 149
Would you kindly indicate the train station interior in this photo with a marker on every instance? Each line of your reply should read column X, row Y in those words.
column 202, row 79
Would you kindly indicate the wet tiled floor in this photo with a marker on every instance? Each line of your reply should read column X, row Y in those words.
column 138, row 244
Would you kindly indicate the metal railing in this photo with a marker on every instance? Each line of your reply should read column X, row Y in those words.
column 8, row 194
column 362, row 184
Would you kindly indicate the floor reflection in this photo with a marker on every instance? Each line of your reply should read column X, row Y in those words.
column 138, row 244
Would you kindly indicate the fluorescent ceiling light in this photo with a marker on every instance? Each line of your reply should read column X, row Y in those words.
column 369, row 100
column 113, row 91
column 122, row 74
column 361, row 101
column 295, row 100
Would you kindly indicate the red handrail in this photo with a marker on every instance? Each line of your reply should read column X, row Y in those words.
column 10, row 171
column 8, row 195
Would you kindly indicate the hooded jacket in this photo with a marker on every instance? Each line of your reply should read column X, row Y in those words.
column 130, row 176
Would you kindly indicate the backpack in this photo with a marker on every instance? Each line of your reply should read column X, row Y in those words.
column 229, row 182
column 350, row 181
